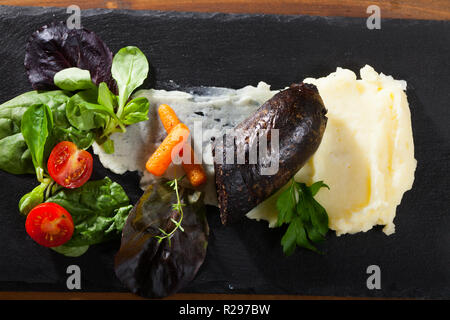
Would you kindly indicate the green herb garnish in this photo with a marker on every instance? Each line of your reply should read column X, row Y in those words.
column 307, row 220
column 178, row 208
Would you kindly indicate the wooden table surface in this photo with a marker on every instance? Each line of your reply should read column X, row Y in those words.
column 405, row 9
column 411, row 9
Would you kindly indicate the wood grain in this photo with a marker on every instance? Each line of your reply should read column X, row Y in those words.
column 412, row 9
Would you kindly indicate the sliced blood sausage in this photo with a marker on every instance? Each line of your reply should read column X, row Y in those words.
column 298, row 113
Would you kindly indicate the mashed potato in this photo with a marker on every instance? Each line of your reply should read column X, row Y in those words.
column 366, row 155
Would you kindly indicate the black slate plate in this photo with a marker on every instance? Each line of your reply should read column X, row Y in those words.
column 195, row 49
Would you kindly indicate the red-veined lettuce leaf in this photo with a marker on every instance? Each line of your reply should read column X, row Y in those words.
column 55, row 47
column 153, row 268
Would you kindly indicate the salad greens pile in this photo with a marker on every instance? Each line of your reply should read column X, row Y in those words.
column 98, row 110
column 80, row 106
column 99, row 210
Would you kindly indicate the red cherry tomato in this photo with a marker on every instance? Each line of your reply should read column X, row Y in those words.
column 69, row 166
column 49, row 224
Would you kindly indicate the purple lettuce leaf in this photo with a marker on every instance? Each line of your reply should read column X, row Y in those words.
column 55, row 47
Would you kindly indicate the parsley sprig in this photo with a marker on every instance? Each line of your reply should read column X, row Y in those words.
column 178, row 207
column 307, row 220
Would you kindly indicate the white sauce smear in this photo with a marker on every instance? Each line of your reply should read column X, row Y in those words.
column 218, row 109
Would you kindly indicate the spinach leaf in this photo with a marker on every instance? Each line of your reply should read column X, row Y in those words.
column 15, row 157
column 83, row 139
column 98, row 209
column 71, row 251
column 129, row 69
column 97, row 228
column 153, row 268
column 73, row 79
column 136, row 111
column 37, row 124
column 15, row 108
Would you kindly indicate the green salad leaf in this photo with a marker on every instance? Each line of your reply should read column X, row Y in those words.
column 108, row 146
column 83, row 139
column 37, row 124
column 307, row 220
column 15, row 157
column 81, row 113
column 32, row 198
column 37, row 196
column 73, row 79
column 71, row 251
column 106, row 97
column 84, row 113
column 129, row 69
column 98, row 109
column 136, row 111
column 99, row 210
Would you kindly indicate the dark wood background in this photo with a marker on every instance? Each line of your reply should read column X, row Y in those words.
column 411, row 9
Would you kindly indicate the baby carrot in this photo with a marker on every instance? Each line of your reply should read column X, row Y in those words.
column 168, row 117
column 160, row 160
column 194, row 171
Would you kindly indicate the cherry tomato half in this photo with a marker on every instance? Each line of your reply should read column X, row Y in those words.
column 69, row 166
column 49, row 224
